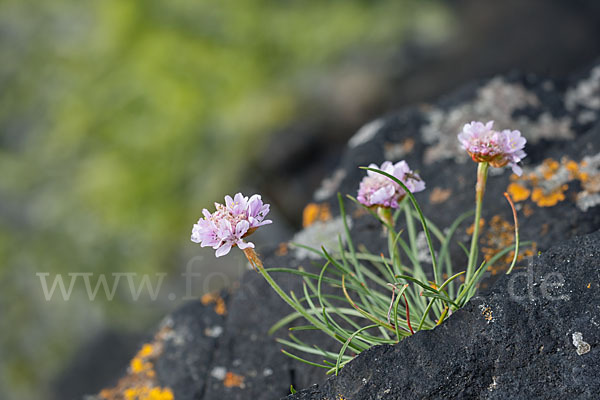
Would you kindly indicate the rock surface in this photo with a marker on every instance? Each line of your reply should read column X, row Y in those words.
column 496, row 347
column 533, row 336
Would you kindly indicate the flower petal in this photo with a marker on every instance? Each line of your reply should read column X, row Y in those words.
column 224, row 249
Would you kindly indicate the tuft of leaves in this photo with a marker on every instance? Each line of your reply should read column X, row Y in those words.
column 361, row 300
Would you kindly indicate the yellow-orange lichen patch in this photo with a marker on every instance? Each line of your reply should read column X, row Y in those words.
column 144, row 393
column 282, row 249
column 471, row 228
column 518, row 192
column 233, row 380
column 439, row 195
column 547, row 183
column 572, row 167
column 549, row 168
column 498, row 235
column 527, row 210
column 214, row 298
column 138, row 366
column 543, row 199
column 487, row 313
column 314, row 212
column 140, row 382
column 589, row 285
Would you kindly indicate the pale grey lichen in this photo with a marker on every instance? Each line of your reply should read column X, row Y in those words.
column 581, row 346
column 586, row 200
column 320, row 233
column 586, row 93
column 366, row 133
column 330, row 185
column 497, row 100
column 590, row 195
column 397, row 151
column 218, row 373
column 213, row 331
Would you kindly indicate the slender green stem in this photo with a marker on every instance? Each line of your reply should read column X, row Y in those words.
column 257, row 263
column 482, row 171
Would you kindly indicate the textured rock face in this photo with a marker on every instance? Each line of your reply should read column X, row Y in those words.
column 533, row 336
column 541, row 342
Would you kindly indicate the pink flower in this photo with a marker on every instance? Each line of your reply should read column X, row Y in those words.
column 379, row 190
column 231, row 223
column 498, row 148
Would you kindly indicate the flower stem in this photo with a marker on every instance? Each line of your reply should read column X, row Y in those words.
column 256, row 262
column 482, row 171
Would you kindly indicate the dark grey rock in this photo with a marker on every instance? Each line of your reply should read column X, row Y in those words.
column 185, row 362
column 514, row 342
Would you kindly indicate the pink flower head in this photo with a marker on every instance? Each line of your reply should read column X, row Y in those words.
column 379, row 190
column 231, row 223
column 498, row 148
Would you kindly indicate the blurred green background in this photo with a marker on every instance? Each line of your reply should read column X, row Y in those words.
column 120, row 120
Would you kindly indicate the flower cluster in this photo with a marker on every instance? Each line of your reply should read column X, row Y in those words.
column 378, row 190
column 231, row 223
column 497, row 148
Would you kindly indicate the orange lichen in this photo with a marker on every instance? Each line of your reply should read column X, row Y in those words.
column 143, row 393
column 487, row 314
column 572, row 167
column 146, row 350
column 138, row 366
column 439, row 195
column 544, row 199
column 220, row 307
column 527, row 210
column 549, row 168
column 547, row 183
column 589, row 285
column 314, row 212
column 498, row 235
column 233, row 380
column 140, row 382
column 518, row 192
column 214, row 298
column 282, row 249
column 471, row 228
